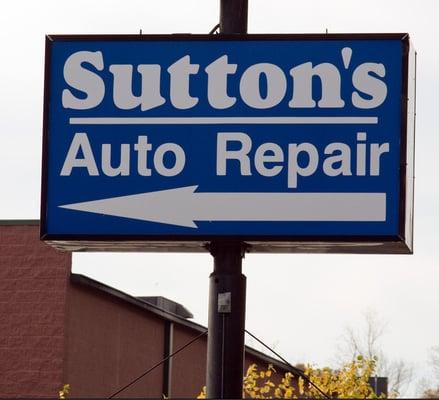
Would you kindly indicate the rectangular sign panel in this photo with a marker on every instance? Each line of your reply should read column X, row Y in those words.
column 288, row 142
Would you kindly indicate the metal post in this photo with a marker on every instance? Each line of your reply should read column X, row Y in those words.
column 233, row 16
column 225, row 344
column 167, row 365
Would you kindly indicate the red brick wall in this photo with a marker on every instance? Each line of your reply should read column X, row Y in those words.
column 33, row 292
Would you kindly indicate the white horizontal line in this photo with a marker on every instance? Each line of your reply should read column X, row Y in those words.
column 220, row 120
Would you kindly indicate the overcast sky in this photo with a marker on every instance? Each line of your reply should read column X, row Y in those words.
column 299, row 303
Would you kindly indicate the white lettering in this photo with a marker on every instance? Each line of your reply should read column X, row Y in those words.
column 369, row 85
column 124, row 166
column 344, row 158
column 241, row 155
column 123, row 96
column 302, row 92
column 180, row 159
column 261, row 86
column 294, row 168
column 261, row 158
column 180, row 73
column 80, row 143
column 302, row 160
column 217, row 73
column 84, row 80
column 376, row 151
column 250, row 86
column 143, row 147
column 361, row 154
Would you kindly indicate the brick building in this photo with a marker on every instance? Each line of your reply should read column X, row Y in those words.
column 34, row 281
column 57, row 328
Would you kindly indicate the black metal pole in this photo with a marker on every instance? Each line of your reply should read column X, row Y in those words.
column 225, row 343
column 233, row 16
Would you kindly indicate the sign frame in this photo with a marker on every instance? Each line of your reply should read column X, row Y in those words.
column 372, row 244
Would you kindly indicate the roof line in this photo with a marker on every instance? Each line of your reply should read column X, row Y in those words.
column 90, row 282
column 87, row 281
column 17, row 222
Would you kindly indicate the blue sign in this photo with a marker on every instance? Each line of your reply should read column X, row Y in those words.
column 201, row 137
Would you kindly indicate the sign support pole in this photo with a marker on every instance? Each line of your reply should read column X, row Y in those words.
column 233, row 16
column 225, row 344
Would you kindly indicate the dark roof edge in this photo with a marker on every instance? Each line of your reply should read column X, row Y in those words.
column 18, row 222
column 86, row 281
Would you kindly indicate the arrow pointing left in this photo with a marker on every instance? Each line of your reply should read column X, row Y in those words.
column 183, row 206
column 163, row 206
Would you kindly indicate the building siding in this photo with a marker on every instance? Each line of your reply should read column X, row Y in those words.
column 33, row 294
column 111, row 343
column 57, row 328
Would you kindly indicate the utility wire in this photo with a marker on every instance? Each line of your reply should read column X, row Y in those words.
column 158, row 364
column 295, row 369
column 298, row 371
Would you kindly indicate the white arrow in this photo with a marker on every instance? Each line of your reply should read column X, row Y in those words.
column 182, row 206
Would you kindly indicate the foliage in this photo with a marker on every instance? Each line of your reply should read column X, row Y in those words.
column 431, row 394
column 434, row 360
column 430, row 389
column 366, row 341
column 62, row 394
column 350, row 381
